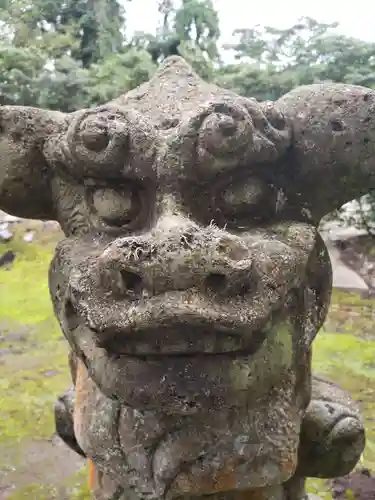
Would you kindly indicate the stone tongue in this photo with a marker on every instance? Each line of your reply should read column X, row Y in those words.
column 174, row 91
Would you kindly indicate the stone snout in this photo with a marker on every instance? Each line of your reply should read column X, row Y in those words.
column 189, row 329
column 183, row 282
column 178, row 255
column 183, row 316
column 184, row 289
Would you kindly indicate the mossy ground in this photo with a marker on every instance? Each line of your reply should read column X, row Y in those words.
column 33, row 372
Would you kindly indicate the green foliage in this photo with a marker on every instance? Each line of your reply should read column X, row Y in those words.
column 19, row 69
column 273, row 61
column 196, row 21
column 51, row 53
column 119, row 73
column 190, row 29
column 65, row 87
column 75, row 54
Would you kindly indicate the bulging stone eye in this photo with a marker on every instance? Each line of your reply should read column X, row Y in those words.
column 253, row 198
column 116, row 207
column 246, row 193
column 95, row 135
column 223, row 134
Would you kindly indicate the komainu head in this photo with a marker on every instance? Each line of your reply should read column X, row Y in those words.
column 192, row 279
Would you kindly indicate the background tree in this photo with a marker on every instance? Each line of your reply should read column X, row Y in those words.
column 270, row 61
column 58, row 55
column 189, row 28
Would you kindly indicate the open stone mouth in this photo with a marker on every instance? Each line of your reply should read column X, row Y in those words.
column 176, row 338
column 171, row 326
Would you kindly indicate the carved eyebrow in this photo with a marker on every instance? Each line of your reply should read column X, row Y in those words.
column 105, row 143
column 224, row 135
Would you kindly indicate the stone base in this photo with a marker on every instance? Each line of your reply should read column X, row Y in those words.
column 103, row 488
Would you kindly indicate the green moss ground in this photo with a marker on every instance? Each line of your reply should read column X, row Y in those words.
column 33, row 370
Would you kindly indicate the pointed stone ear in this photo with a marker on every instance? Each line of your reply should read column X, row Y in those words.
column 332, row 158
column 24, row 172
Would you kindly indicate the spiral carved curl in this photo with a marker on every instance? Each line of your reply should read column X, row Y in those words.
column 103, row 140
column 231, row 133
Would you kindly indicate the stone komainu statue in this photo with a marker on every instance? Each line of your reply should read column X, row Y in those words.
column 193, row 280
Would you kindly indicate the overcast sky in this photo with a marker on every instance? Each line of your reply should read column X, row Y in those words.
column 356, row 17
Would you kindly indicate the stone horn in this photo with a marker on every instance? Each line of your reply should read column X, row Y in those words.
column 332, row 157
column 25, row 175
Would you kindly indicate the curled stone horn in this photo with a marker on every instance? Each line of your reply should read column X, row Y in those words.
column 230, row 133
column 332, row 159
column 25, row 175
column 103, row 141
column 98, row 136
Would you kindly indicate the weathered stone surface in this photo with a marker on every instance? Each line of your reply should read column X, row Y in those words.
column 332, row 434
column 192, row 280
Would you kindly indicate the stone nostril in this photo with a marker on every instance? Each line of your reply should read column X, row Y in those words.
column 132, row 282
column 245, row 289
column 71, row 318
column 215, row 282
